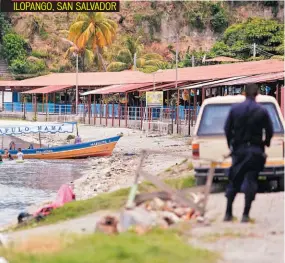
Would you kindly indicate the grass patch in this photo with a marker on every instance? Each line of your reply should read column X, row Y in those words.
column 156, row 246
column 39, row 54
column 106, row 201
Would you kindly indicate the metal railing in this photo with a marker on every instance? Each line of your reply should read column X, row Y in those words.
column 114, row 115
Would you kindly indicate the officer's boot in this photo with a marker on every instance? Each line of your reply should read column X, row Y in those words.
column 245, row 216
column 229, row 212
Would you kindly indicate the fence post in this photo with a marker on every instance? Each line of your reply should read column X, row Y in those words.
column 126, row 115
column 141, row 114
column 95, row 111
column 89, row 109
column 107, row 112
column 101, row 106
column 119, row 111
column 113, row 114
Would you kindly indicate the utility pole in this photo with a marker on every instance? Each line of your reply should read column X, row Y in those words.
column 76, row 96
column 176, row 79
column 254, row 50
column 135, row 61
column 193, row 61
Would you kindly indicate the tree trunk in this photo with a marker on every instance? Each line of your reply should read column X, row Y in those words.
column 83, row 61
column 99, row 51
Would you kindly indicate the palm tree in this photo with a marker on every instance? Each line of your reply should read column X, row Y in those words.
column 86, row 55
column 149, row 62
column 94, row 31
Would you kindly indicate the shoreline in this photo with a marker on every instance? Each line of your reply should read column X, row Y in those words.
column 107, row 174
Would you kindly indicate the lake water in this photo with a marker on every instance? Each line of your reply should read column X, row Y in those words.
column 32, row 182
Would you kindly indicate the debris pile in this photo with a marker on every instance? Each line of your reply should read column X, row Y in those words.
column 156, row 209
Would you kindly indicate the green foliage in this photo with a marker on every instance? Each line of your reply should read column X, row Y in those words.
column 22, row 66
column 219, row 22
column 125, row 56
column 5, row 26
column 117, row 66
column 13, row 47
column 39, row 54
column 154, row 246
column 138, row 19
column 204, row 13
column 154, row 22
column 238, row 39
column 43, row 33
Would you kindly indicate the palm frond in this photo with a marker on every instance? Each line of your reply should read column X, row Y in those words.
column 125, row 56
column 117, row 66
column 151, row 56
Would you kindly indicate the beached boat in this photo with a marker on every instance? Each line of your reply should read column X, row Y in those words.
column 70, row 151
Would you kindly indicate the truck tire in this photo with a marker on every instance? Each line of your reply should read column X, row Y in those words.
column 280, row 184
column 201, row 180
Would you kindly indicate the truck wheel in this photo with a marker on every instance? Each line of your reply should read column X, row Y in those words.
column 201, row 181
column 280, row 184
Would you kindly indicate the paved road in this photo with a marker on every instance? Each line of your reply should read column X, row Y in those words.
column 259, row 242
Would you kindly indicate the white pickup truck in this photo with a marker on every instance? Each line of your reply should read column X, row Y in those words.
column 209, row 140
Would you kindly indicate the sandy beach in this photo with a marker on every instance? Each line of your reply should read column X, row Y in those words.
column 111, row 173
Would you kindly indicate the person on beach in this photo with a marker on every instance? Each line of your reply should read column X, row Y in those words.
column 7, row 155
column 31, row 146
column 12, row 146
column 20, row 155
column 77, row 139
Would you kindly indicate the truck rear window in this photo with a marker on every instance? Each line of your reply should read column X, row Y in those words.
column 214, row 117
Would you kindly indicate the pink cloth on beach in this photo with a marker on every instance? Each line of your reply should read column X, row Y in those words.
column 64, row 195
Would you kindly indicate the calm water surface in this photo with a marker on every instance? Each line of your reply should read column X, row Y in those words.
column 32, row 182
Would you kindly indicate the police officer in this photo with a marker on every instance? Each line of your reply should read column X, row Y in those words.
column 244, row 129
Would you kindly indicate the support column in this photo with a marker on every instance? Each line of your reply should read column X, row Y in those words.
column 126, row 111
column 195, row 103
column 203, row 94
column 46, row 107
column 89, row 109
column 3, row 92
column 95, row 109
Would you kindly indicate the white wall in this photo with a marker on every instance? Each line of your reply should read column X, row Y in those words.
column 7, row 96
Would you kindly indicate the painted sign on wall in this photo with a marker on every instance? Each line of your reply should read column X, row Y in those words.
column 154, row 98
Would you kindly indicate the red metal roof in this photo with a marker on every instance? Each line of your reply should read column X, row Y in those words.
column 47, row 89
column 252, row 79
column 8, row 83
column 126, row 88
column 163, row 86
column 192, row 74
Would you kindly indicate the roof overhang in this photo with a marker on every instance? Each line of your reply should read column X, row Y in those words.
column 48, row 89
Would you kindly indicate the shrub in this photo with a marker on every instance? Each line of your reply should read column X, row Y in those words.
column 19, row 66
column 238, row 39
column 14, row 47
column 219, row 22
column 22, row 66
column 39, row 54
column 5, row 26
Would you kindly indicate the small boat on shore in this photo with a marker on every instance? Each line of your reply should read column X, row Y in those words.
column 96, row 148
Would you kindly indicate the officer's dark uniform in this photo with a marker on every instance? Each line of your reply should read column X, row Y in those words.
column 244, row 131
